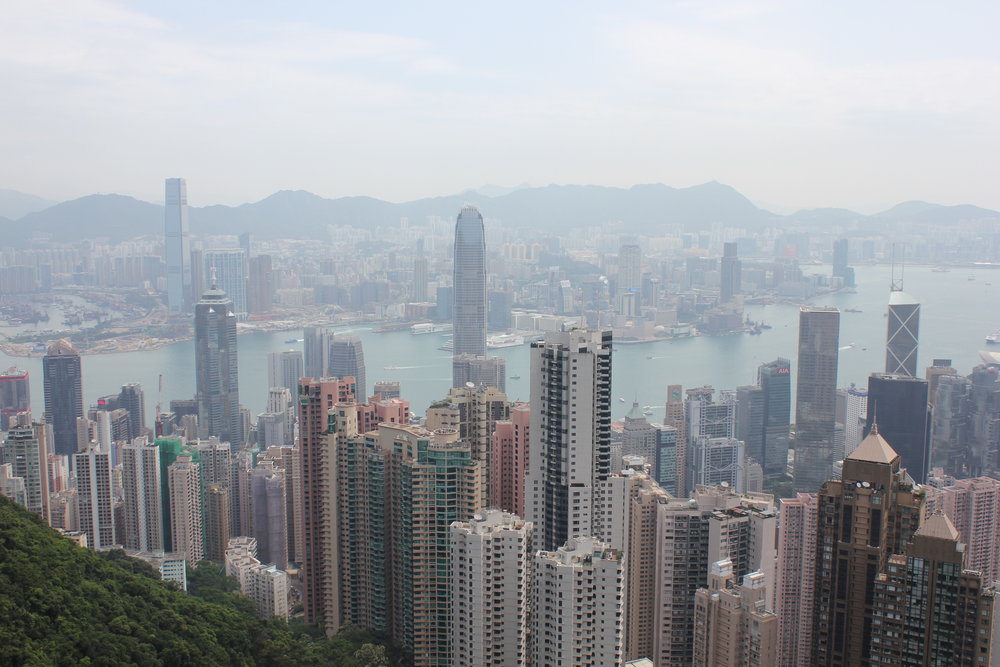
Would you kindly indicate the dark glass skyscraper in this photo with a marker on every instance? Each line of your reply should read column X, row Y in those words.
column 216, row 368
column 898, row 403
column 470, row 284
column 63, row 395
column 775, row 380
column 730, row 269
column 131, row 398
column 816, row 397
column 178, row 246
column 902, row 334
column 347, row 358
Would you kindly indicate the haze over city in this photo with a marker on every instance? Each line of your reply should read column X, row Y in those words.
column 653, row 335
column 797, row 105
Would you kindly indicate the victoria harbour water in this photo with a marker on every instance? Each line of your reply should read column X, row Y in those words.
column 958, row 309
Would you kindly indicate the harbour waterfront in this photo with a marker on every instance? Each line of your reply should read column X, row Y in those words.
column 956, row 314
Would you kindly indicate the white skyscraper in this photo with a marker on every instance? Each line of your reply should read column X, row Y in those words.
column 490, row 570
column 93, row 486
column 178, row 247
column 578, row 605
column 570, row 448
column 143, row 503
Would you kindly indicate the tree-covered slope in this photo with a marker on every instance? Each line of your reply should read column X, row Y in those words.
column 63, row 605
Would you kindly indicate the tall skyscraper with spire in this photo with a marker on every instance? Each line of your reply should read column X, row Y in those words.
column 178, row 246
column 63, row 380
column 216, row 368
column 469, row 311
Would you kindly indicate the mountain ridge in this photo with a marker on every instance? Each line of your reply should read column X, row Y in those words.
column 644, row 208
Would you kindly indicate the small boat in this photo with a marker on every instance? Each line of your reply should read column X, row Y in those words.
column 291, row 341
column 647, row 412
column 515, row 377
column 622, row 400
column 993, row 338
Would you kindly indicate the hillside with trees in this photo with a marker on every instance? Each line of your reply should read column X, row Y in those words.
column 64, row 605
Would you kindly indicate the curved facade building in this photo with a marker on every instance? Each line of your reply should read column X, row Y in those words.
column 470, row 284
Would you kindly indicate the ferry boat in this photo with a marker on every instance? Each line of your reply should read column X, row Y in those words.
column 428, row 328
column 504, row 340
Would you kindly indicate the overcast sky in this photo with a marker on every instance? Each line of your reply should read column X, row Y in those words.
column 795, row 104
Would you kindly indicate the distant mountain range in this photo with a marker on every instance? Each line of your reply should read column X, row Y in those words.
column 641, row 209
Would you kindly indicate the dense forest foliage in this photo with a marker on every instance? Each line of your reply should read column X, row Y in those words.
column 63, row 605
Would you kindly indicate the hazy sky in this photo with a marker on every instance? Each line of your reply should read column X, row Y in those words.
column 797, row 104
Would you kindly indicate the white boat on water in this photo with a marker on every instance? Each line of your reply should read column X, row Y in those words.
column 429, row 328
column 993, row 338
column 504, row 340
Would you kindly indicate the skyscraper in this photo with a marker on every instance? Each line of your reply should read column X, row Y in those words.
column 143, row 500
column 260, row 292
column 729, row 273
column 480, row 371
column 132, row 399
column 93, row 495
column 419, row 290
column 284, row 370
column 578, row 604
column 795, row 580
column 509, row 459
column 732, row 623
column 902, row 336
column 315, row 517
column 316, row 352
column 973, row 506
column 775, row 380
column 629, row 280
column 230, row 270
column 816, row 397
column 178, row 246
column 216, row 369
column 490, row 550
column 15, row 395
column 898, row 403
column 63, row 394
column 184, row 483
column 867, row 516
column 570, row 450
column 928, row 608
column 470, row 284
column 840, row 268
column 26, row 451
column 347, row 359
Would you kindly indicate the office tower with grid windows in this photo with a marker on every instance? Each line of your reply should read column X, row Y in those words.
column 63, row 382
column 180, row 295
column 816, row 397
column 216, row 368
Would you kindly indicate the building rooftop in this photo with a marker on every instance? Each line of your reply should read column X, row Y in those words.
column 939, row 526
column 874, row 449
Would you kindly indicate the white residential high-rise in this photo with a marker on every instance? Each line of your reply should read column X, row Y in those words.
column 184, row 484
column 855, row 413
column 570, row 438
column 266, row 585
column 733, row 626
column 93, row 486
column 178, row 247
column 490, row 580
column 143, row 505
column 578, row 605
